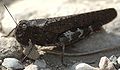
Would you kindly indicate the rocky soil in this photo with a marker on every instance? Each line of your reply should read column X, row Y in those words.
column 12, row 53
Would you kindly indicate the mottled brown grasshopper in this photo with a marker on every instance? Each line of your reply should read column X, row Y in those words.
column 64, row 29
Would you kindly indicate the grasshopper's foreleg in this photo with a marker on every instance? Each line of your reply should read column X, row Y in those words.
column 31, row 47
column 9, row 33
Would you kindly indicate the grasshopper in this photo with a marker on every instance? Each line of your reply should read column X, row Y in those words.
column 61, row 31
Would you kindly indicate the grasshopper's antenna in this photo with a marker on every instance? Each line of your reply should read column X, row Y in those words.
column 8, row 12
column 11, row 16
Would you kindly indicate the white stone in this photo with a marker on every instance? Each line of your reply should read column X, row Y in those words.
column 31, row 67
column 83, row 66
column 113, row 59
column 106, row 64
column 12, row 63
column 9, row 47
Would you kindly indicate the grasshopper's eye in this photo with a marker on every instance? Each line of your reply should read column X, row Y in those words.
column 23, row 24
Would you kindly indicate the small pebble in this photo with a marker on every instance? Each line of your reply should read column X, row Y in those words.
column 12, row 63
column 83, row 66
column 31, row 67
column 106, row 64
column 113, row 59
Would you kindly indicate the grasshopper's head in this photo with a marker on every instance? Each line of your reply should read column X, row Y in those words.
column 23, row 24
column 22, row 33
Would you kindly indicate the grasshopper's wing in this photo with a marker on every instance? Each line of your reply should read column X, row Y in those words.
column 95, row 18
